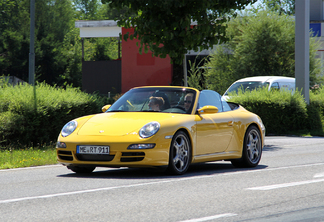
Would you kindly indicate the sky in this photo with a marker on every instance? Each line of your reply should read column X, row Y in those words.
column 257, row 3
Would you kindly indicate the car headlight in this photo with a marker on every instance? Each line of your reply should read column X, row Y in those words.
column 141, row 146
column 69, row 128
column 149, row 129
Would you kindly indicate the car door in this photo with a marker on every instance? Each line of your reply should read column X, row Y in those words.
column 214, row 131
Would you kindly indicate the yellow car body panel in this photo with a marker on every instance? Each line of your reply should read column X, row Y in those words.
column 118, row 136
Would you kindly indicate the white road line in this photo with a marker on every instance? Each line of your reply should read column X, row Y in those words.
column 283, row 185
column 152, row 183
column 319, row 175
column 33, row 167
column 210, row 218
column 81, row 191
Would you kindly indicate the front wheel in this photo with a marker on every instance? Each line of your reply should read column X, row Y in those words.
column 180, row 154
column 81, row 169
column 252, row 149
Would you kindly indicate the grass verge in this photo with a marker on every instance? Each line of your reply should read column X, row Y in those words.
column 27, row 157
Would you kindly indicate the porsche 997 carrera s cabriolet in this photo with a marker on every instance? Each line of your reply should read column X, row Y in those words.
column 158, row 126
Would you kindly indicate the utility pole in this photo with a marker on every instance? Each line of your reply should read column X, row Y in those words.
column 185, row 71
column 31, row 44
column 31, row 79
column 302, row 47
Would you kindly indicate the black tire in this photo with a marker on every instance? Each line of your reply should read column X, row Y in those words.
column 180, row 154
column 252, row 149
column 81, row 169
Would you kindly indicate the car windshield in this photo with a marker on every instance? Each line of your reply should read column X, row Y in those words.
column 248, row 85
column 156, row 99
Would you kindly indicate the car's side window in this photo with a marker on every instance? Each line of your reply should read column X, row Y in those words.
column 275, row 85
column 226, row 107
column 210, row 98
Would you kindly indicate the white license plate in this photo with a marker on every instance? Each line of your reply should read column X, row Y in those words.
column 93, row 149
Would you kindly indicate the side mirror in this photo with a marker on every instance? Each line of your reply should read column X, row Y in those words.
column 104, row 108
column 208, row 110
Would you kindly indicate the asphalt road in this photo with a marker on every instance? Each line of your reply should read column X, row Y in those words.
column 288, row 185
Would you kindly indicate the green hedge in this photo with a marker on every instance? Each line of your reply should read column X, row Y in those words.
column 22, row 125
column 316, row 109
column 283, row 112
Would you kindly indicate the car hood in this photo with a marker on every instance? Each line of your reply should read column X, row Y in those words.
column 120, row 123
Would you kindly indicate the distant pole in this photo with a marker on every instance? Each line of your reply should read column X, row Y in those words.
column 82, row 43
column 31, row 79
column 302, row 47
column 31, row 44
column 118, row 39
column 185, row 76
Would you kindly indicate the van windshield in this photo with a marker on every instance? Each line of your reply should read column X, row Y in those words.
column 248, row 85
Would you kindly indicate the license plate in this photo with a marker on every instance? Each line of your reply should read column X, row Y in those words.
column 93, row 149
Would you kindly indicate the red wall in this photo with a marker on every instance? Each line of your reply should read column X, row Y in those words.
column 142, row 69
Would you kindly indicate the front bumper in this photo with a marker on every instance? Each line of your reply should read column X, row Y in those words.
column 119, row 155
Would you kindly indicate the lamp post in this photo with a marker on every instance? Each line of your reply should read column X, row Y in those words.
column 31, row 44
column 31, row 79
column 185, row 70
column 302, row 47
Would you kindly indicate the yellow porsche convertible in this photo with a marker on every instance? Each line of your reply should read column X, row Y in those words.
column 170, row 127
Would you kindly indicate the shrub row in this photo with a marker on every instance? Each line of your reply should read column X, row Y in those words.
column 23, row 125
column 283, row 112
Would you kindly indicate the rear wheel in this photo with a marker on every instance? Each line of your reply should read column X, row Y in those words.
column 252, row 149
column 81, row 169
column 180, row 154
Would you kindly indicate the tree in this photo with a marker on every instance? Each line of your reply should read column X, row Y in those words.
column 281, row 6
column 165, row 26
column 57, row 43
column 110, row 13
column 54, row 19
column 259, row 45
column 14, row 38
column 7, row 8
column 87, row 9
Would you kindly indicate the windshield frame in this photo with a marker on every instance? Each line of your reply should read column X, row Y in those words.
column 137, row 100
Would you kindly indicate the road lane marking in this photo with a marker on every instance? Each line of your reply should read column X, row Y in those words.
column 319, row 175
column 152, row 183
column 283, row 185
column 33, row 167
column 81, row 191
column 210, row 217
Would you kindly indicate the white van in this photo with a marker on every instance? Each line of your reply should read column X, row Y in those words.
column 272, row 82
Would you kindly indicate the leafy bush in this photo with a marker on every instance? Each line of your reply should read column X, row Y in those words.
column 316, row 109
column 280, row 111
column 22, row 124
column 196, row 76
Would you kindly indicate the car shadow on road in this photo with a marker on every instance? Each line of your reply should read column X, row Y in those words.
column 271, row 148
column 195, row 170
